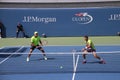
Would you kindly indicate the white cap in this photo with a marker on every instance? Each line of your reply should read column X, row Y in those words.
column 35, row 32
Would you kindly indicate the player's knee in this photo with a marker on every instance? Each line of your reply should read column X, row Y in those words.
column 42, row 50
column 83, row 50
column 31, row 50
column 84, row 54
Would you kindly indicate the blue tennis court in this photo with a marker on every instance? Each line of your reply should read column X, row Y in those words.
column 60, row 64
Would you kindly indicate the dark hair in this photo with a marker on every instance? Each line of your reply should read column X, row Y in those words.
column 86, row 36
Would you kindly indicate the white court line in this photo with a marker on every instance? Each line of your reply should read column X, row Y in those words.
column 73, row 60
column 60, row 53
column 75, row 68
column 10, row 55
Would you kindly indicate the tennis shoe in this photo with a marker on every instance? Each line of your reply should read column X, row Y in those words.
column 84, row 62
column 45, row 58
column 28, row 59
column 102, row 62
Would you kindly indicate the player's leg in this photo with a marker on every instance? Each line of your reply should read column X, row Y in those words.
column 17, row 33
column 30, row 52
column 84, row 55
column 43, row 52
column 0, row 35
column 23, row 33
column 98, row 57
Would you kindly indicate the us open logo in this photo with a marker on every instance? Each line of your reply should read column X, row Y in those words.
column 82, row 18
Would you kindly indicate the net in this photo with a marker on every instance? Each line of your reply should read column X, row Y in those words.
column 60, row 62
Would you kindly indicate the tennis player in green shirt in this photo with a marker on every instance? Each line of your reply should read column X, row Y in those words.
column 90, row 48
column 35, row 44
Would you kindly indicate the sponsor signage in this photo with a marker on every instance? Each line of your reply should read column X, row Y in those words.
column 82, row 18
column 62, row 21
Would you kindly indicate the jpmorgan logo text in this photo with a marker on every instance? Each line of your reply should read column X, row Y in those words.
column 28, row 19
column 82, row 18
column 114, row 17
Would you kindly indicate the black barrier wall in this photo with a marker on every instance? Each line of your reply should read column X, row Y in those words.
column 62, row 21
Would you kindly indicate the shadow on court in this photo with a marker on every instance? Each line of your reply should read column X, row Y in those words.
column 5, row 52
column 42, row 59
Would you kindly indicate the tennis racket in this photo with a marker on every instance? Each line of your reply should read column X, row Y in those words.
column 82, row 50
column 74, row 50
column 44, row 42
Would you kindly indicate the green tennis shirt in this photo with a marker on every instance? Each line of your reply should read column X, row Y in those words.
column 35, row 40
column 91, row 44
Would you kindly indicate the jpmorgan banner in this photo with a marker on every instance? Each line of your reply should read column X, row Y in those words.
column 62, row 21
column 53, row 1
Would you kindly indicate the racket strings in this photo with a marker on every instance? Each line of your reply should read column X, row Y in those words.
column 44, row 42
